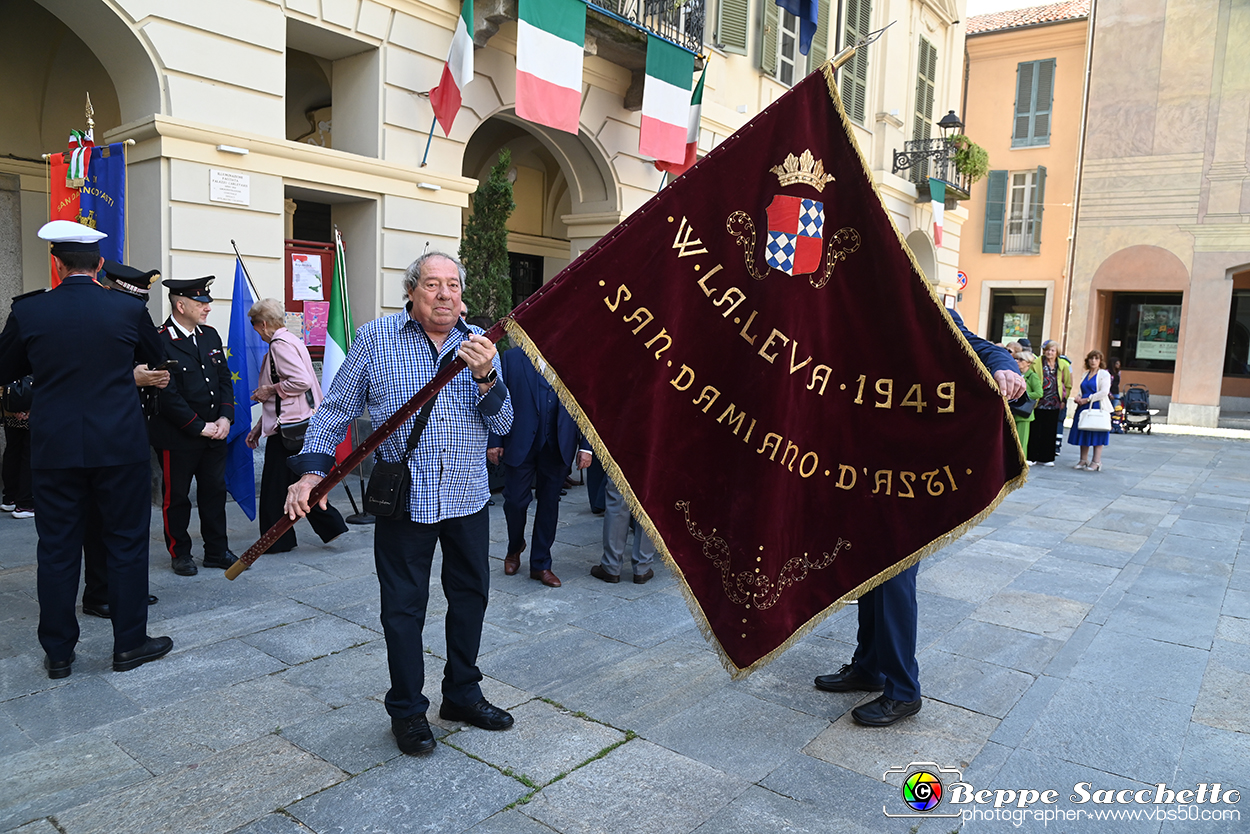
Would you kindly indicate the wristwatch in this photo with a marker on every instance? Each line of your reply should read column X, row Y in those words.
column 489, row 379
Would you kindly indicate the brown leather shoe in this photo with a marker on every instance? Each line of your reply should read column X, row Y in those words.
column 546, row 577
column 512, row 562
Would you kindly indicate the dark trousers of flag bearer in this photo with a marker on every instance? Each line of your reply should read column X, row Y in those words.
column 885, row 651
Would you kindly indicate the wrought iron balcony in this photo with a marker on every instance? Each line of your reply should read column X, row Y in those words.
column 679, row 22
column 924, row 158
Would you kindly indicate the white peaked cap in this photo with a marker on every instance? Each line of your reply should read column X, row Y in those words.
column 67, row 231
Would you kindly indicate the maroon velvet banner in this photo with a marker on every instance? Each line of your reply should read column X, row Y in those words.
column 772, row 382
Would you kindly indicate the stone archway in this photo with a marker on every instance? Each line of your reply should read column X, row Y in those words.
column 565, row 187
column 926, row 254
column 129, row 62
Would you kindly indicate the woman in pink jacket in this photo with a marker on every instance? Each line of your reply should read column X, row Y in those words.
column 289, row 392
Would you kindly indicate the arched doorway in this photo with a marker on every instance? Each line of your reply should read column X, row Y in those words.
column 926, row 255
column 565, row 190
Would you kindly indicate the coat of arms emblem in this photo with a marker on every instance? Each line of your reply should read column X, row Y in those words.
column 795, row 234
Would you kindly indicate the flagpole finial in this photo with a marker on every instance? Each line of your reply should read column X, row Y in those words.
column 90, row 111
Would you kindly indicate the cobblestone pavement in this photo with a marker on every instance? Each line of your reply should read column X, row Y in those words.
column 1096, row 629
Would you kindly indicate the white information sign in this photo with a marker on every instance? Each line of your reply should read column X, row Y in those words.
column 306, row 277
column 229, row 187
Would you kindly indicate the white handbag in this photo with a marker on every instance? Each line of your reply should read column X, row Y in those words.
column 1094, row 418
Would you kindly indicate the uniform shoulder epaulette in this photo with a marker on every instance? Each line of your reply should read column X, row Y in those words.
column 29, row 294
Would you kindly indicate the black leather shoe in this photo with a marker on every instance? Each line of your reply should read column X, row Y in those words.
column 153, row 600
column 483, row 714
column 643, row 578
column 221, row 560
column 185, row 566
column 884, row 711
column 153, row 649
column 600, row 572
column 848, row 679
column 59, row 668
column 413, row 735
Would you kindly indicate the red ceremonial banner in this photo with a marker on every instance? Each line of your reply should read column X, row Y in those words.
column 772, row 382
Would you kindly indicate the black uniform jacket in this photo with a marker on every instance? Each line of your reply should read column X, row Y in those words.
column 81, row 342
column 199, row 392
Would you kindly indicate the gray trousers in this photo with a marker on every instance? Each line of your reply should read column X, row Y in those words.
column 616, row 530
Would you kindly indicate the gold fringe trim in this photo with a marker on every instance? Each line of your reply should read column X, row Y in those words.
column 522, row 339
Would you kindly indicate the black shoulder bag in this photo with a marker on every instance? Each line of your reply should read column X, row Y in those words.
column 390, row 483
column 292, row 434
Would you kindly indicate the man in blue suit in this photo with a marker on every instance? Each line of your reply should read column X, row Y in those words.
column 537, row 451
column 89, row 449
column 885, row 651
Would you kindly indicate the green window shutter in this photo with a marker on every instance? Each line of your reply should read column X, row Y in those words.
column 1026, row 72
column 820, row 41
column 922, row 121
column 769, row 29
column 1043, row 102
column 1039, row 204
column 995, row 210
column 731, row 26
column 853, row 77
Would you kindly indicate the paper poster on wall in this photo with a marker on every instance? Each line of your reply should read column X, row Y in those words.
column 1158, row 331
column 306, row 277
column 1015, row 326
column 316, row 314
column 295, row 323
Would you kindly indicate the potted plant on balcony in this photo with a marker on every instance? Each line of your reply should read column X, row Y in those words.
column 971, row 159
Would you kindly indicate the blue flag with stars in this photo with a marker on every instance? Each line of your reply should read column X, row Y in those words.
column 245, row 350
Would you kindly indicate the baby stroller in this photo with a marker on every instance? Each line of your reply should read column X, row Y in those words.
column 1136, row 404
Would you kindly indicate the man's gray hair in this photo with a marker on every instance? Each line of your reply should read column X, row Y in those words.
column 412, row 275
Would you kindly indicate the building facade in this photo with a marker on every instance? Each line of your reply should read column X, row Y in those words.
column 314, row 111
column 1161, row 275
column 1024, row 95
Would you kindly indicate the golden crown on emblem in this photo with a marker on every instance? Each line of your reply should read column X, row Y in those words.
column 805, row 169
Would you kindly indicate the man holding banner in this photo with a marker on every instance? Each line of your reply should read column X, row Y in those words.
column 443, row 481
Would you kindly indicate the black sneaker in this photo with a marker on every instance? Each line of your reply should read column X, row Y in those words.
column 413, row 735
column 185, row 566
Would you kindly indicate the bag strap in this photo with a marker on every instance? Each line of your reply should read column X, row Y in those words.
column 423, row 416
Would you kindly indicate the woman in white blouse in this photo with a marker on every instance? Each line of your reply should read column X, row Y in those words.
column 1095, row 391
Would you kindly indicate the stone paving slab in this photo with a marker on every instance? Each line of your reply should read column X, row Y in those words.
column 83, row 704
column 309, row 639
column 944, row 733
column 1000, row 645
column 224, row 792
column 211, row 723
column 638, row 788
column 1165, row 619
column 35, row 783
column 353, row 738
column 1049, row 616
column 1114, row 657
column 973, row 684
column 737, row 733
column 343, row 678
column 545, row 742
column 444, row 791
column 183, row 674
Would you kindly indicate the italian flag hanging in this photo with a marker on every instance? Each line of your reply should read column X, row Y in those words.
column 551, row 36
column 457, row 72
column 692, row 133
column 666, row 101
column 937, row 190
column 339, row 328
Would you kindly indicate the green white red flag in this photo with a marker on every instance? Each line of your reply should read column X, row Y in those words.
column 666, row 101
column 551, row 37
column 457, row 72
column 692, row 133
column 339, row 327
column 937, row 191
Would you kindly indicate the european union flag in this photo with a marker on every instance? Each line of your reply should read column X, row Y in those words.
column 807, row 11
column 244, row 352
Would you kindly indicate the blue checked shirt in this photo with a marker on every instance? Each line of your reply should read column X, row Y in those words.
column 390, row 360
